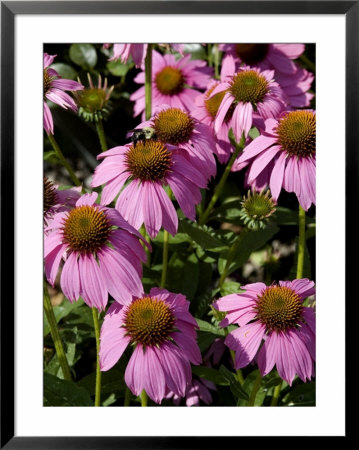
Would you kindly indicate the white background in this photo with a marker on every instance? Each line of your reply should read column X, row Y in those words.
column 327, row 418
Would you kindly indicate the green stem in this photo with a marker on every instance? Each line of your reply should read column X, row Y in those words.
column 101, row 135
column 301, row 242
column 148, row 82
column 127, row 397
column 217, row 192
column 256, row 386
column 144, row 398
column 50, row 316
column 164, row 259
column 216, row 62
column 231, row 255
column 276, row 394
column 98, row 370
column 63, row 161
column 306, row 61
column 210, row 55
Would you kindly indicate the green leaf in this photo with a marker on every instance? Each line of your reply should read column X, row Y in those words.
column 248, row 386
column 112, row 382
column 204, row 340
column 253, row 133
column 210, row 374
column 50, row 156
column 286, row 216
column 230, row 287
column 83, row 55
column 178, row 238
column 209, row 328
column 197, row 51
column 182, row 275
column 62, row 311
column 301, row 395
column 118, row 68
column 64, row 70
column 250, row 241
column 203, row 297
column 234, row 384
column 201, row 235
column 64, row 393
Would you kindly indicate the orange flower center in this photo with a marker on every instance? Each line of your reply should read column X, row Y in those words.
column 149, row 321
column 86, row 229
column 279, row 308
column 297, row 133
column 169, row 81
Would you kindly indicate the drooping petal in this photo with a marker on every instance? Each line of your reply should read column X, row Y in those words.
column 154, row 376
column 188, row 346
column 276, row 179
column 52, row 262
column 70, row 278
column 93, row 286
column 169, row 214
column 245, row 341
column 48, row 120
column 135, row 371
column 152, row 211
column 121, row 279
column 268, row 354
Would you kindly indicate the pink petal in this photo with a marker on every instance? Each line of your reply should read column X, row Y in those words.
column 223, row 109
column 92, row 283
column 262, row 161
column 70, row 278
column 276, row 179
column 242, row 120
column 152, row 211
column 188, row 346
column 268, row 354
column 48, row 121
column 233, row 302
column 87, row 199
column 121, row 279
column 113, row 343
column 130, row 203
column 169, row 214
column 255, row 147
column 245, row 341
column 154, row 376
column 176, row 369
column 135, row 371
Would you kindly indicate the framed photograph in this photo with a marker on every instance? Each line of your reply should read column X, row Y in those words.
column 175, row 247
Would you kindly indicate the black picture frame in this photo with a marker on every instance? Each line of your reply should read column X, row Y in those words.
column 9, row 9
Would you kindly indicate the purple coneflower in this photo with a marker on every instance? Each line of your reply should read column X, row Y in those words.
column 149, row 166
column 266, row 56
column 284, row 156
column 174, row 82
column 250, row 92
column 54, row 90
column 101, row 251
column 293, row 79
column 197, row 391
column 177, row 127
column 162, row 331
column 276, row 315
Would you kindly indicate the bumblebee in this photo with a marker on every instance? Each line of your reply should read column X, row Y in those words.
column 142, row 134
